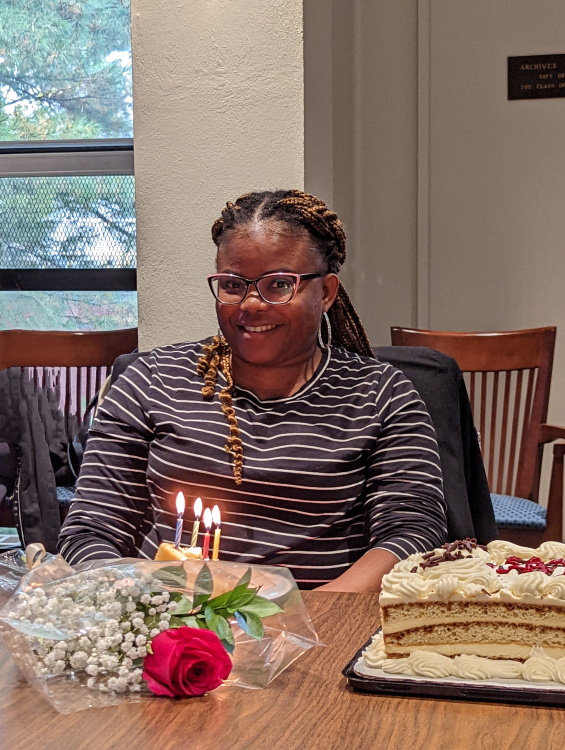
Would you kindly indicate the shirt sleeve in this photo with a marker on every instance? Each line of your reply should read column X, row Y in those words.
column 404, row 506
column 107, row 515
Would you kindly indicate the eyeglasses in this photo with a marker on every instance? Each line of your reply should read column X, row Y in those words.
column 273, row 288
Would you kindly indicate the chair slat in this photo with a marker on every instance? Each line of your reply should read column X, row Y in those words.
column 472, row 392
column 493, row 422
column 503, row 431
column 483, row 412
column 529, row 400
column 514, row 433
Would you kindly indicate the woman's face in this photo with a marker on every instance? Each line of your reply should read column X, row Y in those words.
column 272, row 335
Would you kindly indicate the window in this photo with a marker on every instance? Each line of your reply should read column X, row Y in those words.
column 67, row 220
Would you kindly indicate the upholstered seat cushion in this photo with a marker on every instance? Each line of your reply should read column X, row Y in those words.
column 65, row 495
column 518, row 513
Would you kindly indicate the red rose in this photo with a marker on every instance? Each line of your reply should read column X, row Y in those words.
column 186, row 661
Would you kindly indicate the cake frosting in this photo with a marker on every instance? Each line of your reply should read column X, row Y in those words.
column 465, row 610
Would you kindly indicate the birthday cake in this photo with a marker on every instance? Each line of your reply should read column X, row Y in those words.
column 475, row 612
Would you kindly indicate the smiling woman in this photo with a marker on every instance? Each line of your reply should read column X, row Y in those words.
column 328, row 462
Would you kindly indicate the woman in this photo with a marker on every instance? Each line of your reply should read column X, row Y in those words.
column 330, row 466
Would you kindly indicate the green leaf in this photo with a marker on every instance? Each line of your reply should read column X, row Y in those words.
column 230, row 647
column 184, row 606
column 218, row 624
column 241, row 594
column 245, row 579
column 149, row 649
column 172, row 575
column 204, row 585
column 261, row 607
column 176, row 622
column 190, row 622
column 221, row 600
column 250, row 624
column 229, row 642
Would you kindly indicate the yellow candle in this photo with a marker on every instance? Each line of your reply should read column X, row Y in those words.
column 217, row 520
column 196, row 527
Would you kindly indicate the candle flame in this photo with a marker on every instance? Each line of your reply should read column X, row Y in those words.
column 216, row 517
column 207, row 518
column 180, row 504
column 198, row 507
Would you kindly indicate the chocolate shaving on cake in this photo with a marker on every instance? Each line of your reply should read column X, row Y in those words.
column 451, row 551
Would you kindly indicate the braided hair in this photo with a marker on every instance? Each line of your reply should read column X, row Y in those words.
column 302, row 213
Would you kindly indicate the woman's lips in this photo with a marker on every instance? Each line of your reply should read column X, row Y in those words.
column 251, row 332
column 258, row 329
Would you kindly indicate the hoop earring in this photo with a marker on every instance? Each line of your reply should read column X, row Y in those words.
column 327, row 344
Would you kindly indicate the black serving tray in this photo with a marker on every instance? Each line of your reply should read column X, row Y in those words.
column 525, row 693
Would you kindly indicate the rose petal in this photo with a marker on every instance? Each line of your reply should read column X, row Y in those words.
column 186, row 662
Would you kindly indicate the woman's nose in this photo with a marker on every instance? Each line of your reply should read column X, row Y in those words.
column 253, row 299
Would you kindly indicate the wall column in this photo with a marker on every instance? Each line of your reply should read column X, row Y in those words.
column 218, row 111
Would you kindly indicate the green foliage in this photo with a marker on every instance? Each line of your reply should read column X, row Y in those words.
column 68, row 311
column 58, row 72
column 65, row 73
column 242, row 603
column 67, row 222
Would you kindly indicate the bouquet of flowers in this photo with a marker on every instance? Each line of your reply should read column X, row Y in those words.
column 132, row 629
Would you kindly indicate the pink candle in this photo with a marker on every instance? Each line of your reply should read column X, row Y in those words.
column 207, row 524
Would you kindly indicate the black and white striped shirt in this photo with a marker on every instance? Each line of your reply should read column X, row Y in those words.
column 346, row 464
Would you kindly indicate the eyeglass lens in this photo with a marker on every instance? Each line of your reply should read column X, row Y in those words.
column 273, row 289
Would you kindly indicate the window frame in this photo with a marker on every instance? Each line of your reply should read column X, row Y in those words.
column 71, row 158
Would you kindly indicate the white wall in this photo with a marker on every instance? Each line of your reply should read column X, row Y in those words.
column 497, row 175
column 218, row 111
column 361, row 146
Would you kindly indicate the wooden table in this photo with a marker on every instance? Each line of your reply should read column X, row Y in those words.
column 309, row 707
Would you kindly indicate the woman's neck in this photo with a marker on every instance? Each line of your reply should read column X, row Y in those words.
column 282, row 381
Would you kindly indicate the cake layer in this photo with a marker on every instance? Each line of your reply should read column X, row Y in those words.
column 408, row 616
column 479, row 633
column 489, row 650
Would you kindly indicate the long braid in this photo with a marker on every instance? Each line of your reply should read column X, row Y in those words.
column 217, row 356
column 305, row 214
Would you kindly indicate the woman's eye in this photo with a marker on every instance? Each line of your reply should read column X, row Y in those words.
column 281, row 284
column 232, row 285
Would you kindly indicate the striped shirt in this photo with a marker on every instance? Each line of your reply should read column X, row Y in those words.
column 346, row 464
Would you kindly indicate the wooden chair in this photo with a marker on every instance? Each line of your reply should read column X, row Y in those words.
column 77, row 361
column 508, row 376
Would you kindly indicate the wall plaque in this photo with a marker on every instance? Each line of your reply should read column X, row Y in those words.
column 536, row 76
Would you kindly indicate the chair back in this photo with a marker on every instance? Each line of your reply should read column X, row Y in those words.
column 508, row 376
column 77, row 362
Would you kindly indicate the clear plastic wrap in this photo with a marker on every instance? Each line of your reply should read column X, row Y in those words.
column 66, row 627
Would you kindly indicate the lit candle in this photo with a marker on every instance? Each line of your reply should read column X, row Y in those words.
column 217, row 519
column 196, row 527
column 207, row 524
column 180, row 511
